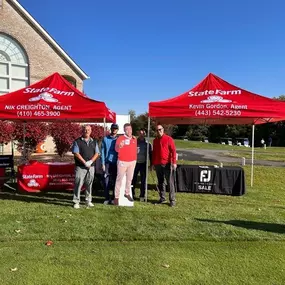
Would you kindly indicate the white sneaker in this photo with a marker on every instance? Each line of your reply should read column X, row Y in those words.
column 106, row 202
column 76, row 206
column 89, row 205
column 142, row 199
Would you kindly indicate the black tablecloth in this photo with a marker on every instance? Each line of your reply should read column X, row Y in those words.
column 209, row 179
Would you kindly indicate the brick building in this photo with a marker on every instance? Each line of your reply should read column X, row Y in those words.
column 28, row 53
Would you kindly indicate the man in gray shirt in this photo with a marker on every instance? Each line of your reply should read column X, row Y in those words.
column 141, row 163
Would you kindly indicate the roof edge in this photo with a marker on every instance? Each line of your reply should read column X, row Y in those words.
column 49, row 38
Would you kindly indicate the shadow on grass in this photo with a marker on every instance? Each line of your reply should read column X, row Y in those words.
column 267, row 227
column 55, row 197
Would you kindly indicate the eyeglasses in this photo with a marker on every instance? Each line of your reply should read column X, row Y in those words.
column 158, row 130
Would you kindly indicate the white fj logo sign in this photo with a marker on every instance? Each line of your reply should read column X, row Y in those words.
column 205, row 175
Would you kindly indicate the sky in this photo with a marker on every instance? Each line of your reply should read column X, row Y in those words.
column 136, row 52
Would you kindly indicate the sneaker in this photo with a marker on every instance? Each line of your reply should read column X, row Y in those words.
column 172, row 204
column 116, row 201
column 111, row 202
column 129, row 198
column 76, row 206
column 89, row 205
column 106, row 202
column 142, row 199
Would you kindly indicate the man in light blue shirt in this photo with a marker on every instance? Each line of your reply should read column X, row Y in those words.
column 109, row 158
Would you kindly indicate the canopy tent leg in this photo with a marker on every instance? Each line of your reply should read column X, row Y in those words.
column 147, row 157
column 252, row 155
column 24, row 142
column 104, row 121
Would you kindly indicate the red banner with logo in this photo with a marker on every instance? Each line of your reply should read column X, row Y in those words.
column 37, row 176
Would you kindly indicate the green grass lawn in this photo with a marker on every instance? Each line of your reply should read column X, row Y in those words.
column 206, row 239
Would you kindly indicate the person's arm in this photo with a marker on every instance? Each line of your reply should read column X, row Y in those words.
column 75, row 151
column 97, row 153
column 119, row 144
column 172, row 150
column 150, row 153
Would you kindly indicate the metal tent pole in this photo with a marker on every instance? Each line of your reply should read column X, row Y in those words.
column 24, row 141
column 104, row 121
column 147, row 156
column 252, row 155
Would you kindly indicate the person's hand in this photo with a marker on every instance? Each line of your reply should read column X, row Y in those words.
column 88, row 163
column 103, row 167
column 173, row 166
column 122, row 143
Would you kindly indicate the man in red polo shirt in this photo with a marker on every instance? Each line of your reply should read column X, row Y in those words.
column 126, row 147
column 164, row 162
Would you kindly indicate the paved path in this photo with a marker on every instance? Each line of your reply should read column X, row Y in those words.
column 214, row 155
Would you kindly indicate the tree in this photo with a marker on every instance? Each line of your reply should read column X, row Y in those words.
column 36, row 132
column 7, row 132
column 97, row 132
column 63, row 134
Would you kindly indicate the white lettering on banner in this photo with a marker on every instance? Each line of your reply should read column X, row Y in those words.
column 33, row 107
column 32, row 176
column 216, row 106
column 206, row 112
column 214, row 92
column 205, row 175
column 48, row 89
column 38, row 113
column 239, row 107
column 63, row 108
column 9, row 107
column 192, row 106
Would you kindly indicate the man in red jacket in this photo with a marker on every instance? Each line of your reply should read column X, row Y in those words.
column 164, row 162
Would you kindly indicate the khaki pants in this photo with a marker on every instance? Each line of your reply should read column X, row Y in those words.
column 124, row 168
column 83, row 176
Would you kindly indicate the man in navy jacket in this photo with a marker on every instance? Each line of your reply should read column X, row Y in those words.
column 109, row 158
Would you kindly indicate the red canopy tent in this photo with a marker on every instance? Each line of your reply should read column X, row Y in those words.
column 215, row 101
column 53, row 98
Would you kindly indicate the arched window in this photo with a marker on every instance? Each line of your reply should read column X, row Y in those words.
column 70, row 79
column 14, row 65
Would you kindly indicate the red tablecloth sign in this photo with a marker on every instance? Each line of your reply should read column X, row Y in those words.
column 2, row 176
column 37, row 176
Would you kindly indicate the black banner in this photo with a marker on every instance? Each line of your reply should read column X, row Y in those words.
column 6, row 161
column 210, row 179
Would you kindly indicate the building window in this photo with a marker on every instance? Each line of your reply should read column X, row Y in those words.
column 70, row 79
column 14, row 65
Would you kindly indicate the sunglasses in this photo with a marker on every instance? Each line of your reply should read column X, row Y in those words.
column 158, row 130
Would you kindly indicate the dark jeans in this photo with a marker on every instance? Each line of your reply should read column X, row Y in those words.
column 165, row 177
column 140, row 168
column 110, row 179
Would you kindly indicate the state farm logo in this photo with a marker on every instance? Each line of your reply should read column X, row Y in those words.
column 44, row 96
column 214, row 92
column 216, row 99
column 33, row 183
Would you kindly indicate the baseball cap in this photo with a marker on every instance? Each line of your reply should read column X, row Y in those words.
column 114, row 126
